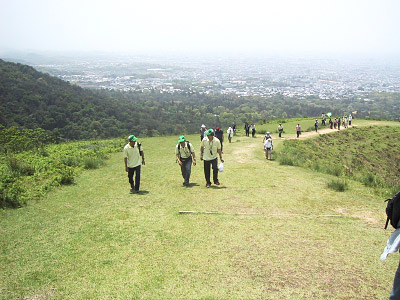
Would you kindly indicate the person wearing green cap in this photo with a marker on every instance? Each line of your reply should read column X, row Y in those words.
column 184, row 152
column 133, row 158
column 209, row 150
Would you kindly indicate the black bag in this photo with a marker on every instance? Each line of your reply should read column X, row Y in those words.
column 393, row 211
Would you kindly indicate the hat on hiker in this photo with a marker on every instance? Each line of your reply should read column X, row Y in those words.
column 209, row 132
column 181, row 139
column 268, row 132
column 132, row 138
column 217, row 128
column 203, row 126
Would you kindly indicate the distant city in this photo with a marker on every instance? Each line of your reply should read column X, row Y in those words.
column 299, row 78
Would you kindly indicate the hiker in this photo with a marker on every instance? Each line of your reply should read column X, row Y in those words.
column 316, row 125
column 209, row 150
column 202, row 130
column 350, row 118
column 220, row 135
column 280, row 130
column 184, row 152
column 247, row 128
column 253, row 129
column 134, row 158
column 234, row 128
column 330, row 123
column 335, row 123
column 338, row 124
column 298, row 130
column 230, row 133
column 266, row 136
column 268, row 147
column 345, row 121
column 393, row 243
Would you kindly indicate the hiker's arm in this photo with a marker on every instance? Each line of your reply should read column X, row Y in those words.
column 126, row 164
column 220, row 155
column 179, row 159
column 194, row 158
column 201, row 152
column 142, row 155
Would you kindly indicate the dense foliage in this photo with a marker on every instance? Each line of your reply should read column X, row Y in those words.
column 29, row 167
column 31, row 99
column 370, row 155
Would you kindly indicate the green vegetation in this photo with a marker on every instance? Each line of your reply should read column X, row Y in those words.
column 31, row 99
column 277, row 232
column 370, row 155
column 29, row 167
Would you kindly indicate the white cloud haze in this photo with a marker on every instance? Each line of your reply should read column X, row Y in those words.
column 351, row 27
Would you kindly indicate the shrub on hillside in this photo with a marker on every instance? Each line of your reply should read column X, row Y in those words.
column 338, row 185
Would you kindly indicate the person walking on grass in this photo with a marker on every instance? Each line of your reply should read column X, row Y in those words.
column 230, row 134
column 316, row 125
column 253, row 130
column 338, row 124
column 184, row 152
column 133, row 158
column 280, row 130
column 247, row 128
column 268, row 147
column 220, row 135
column 202, row 130
column 298, row 130
column 209, row 150
column 350, row 118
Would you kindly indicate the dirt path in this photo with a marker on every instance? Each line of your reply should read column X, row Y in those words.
column 310, row 134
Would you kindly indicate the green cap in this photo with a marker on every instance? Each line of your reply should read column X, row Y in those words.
column 132, row 138
column 181, row 139
column 209, row 131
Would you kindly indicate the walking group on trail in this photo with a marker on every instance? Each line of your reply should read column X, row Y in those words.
column 211, row 147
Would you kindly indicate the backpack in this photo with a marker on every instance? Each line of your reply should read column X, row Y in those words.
column 188, row 145
column 393, row 211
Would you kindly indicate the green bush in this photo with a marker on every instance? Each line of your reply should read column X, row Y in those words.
column 285, row 160
column 338, row 185
column 92, row 163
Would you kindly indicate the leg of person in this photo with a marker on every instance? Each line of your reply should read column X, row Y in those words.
column 395, row 294
column 222, row 147
column 130, row 177
column 188, row 168
column 207, row 164
column 137, row 178
column 214, row 163
column 183, row 170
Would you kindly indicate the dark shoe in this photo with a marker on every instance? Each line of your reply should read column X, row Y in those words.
column 208, row 185
column 217, row 183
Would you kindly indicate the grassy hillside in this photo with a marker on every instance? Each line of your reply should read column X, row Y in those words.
column 370, row 155
column 277, row 232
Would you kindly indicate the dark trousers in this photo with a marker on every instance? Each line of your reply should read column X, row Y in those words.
column 280, row 133
column 298, row 133
column 395, row 294
column 186, row 168
column 207, row 164
column 253, row 132
column 134, row 184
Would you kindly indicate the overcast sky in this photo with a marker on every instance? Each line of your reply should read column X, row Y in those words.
column 349, row 27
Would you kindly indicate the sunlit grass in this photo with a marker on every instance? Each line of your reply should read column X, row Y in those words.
column 277, row 232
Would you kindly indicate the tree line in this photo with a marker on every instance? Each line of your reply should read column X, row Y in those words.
column 31, row 99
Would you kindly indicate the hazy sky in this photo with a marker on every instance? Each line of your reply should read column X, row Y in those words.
column 354, row 27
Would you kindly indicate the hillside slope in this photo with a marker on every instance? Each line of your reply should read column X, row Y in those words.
column 275, row 232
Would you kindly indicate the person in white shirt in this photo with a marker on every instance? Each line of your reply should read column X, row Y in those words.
column 209, row 150
column 230, row 134
column 133, row 158
column 268, row 147
column 184, row 152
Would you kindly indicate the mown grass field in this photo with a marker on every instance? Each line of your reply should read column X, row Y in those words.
column 277, row 232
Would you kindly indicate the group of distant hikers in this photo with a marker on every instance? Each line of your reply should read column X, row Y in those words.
column 211, row 146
